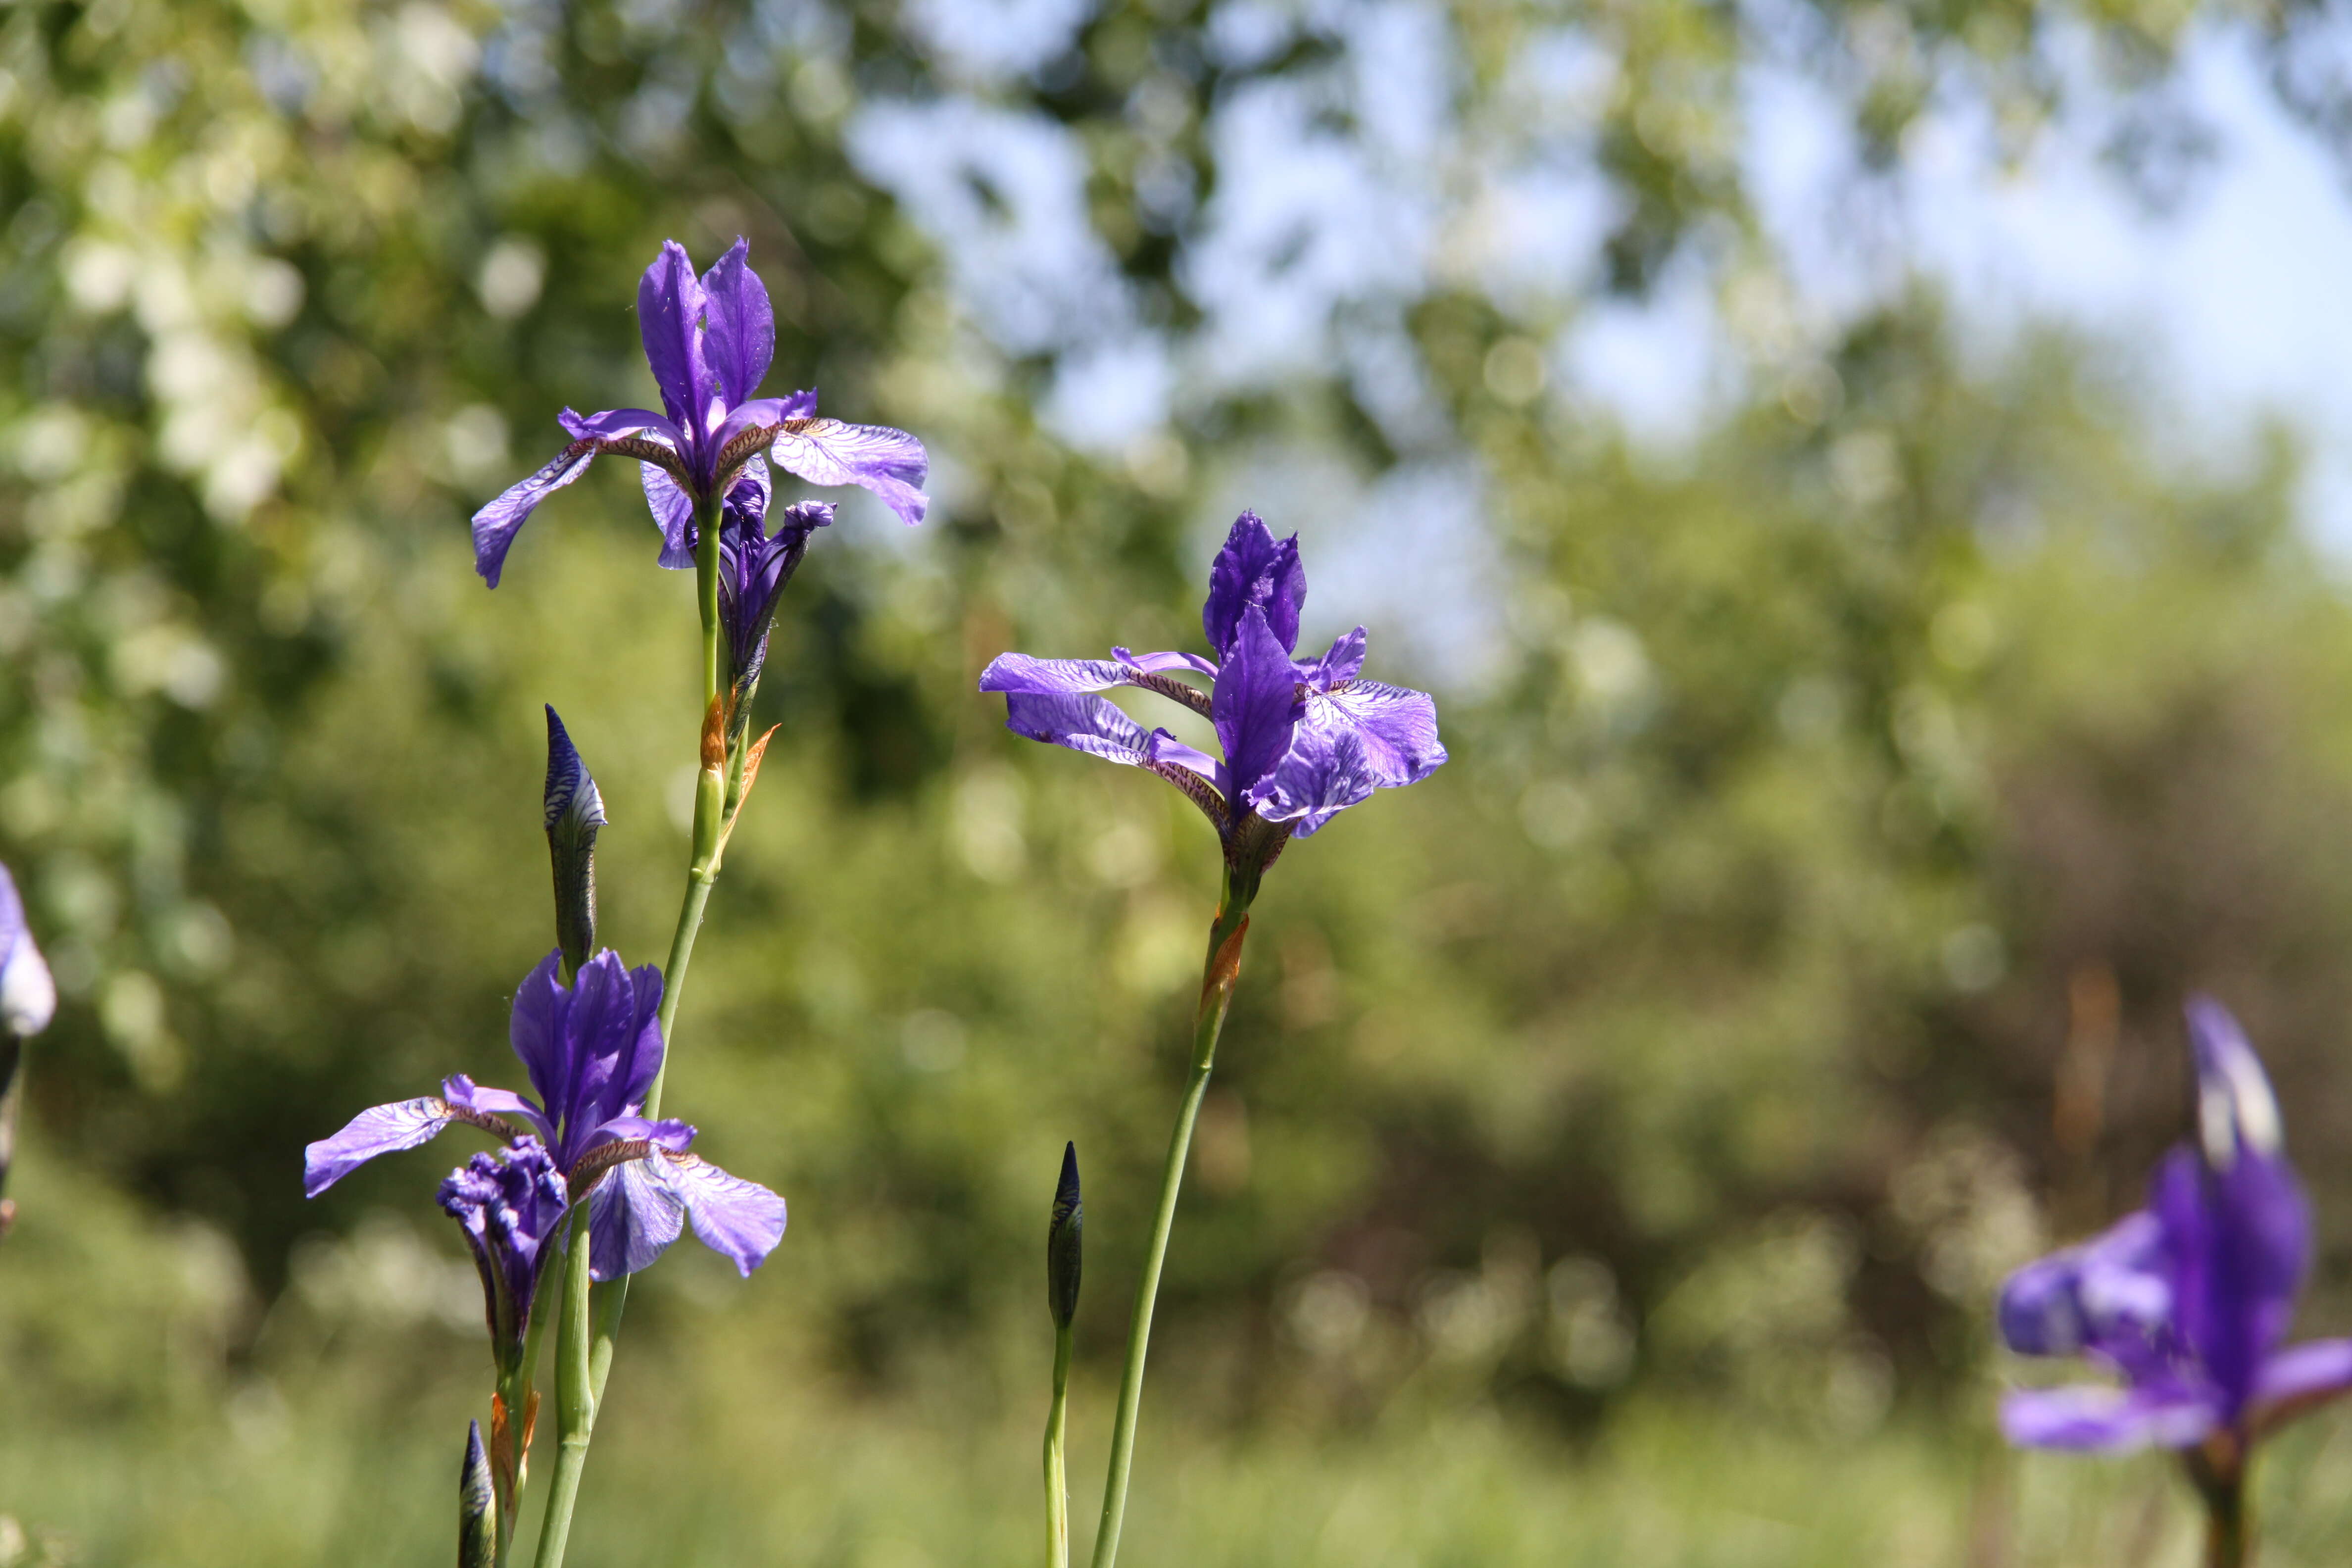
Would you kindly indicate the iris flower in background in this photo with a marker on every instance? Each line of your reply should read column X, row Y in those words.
column 29, row 997
column 591, row 1049
column 709, row 341
column 1303, row 739
column 2186, row 1300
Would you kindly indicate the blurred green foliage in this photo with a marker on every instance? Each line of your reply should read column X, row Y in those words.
column 1791, row 945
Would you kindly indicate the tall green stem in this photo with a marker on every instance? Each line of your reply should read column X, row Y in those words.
column 1217, row 978
column 584, row 1353
column 1057, row 1478
column 575, row 1405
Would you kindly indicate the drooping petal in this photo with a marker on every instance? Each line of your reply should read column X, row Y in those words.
column 1089, row 724
column 379, row 1130
column 615, row 423
column 1397, row 725
column 2301, row 1377
column 673, row 511
column 890, row 463
column 496, row 525
column 1254, row 707
column 739, row 1220
column 2106, row 1420
column 632, row 1219
column 670, row 308
column 1254, row 568
column 739, row 335
column 1063, row 676
column 1324, row 773
column 498, row 1110
column 1159, row 663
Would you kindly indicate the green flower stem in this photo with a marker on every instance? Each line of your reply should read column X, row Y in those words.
column 515, row 1392
column 575, row 1404
column 2218, row 1470
column 584, row 1355
column 1057, row 1479
column 1223, row 967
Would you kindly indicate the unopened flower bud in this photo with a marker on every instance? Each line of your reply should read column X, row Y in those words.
column 574, row 812
column 1065, row 1240
column 478, row 1505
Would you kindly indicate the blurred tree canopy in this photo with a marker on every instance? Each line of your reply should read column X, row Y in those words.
column 1837, row 810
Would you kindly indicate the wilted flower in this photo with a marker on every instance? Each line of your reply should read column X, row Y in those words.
column 2188, row 1298
column 1303, row 739
column 710, row 342
column 592, row 1050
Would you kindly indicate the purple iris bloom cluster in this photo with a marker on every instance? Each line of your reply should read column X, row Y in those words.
column 1303, row 739
column 592, row 1050
column 754, row 567
column 2189, row 1298
column 709, row 341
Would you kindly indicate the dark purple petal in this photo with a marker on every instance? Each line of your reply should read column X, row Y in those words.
column 379, row 1130
column 740, row 336
column 1091, row 725
column 673, row 511
column 2239, row 1240
column 2107, row 1419
column 28, row 996
column 669, row 320
column 739, row 1220
column 535, row 1030
column 2303, row 1374
column 613, row 1043
column 890, row 463
column 1254, row 707
column 1253, row 569
column 496, row 525
column 632, row 1219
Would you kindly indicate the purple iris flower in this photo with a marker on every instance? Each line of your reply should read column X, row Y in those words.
column 709, row 341
column 29, row 997
column 1303, row 739
column 511, row 1202
column 2188, row 1298
column 592, row 1050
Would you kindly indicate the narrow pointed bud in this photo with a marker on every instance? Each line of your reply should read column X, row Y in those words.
column 478, row 1505
column 574, row 812
column 1065, row 1240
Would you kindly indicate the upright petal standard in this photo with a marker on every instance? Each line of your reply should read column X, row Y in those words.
column 708, row 341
